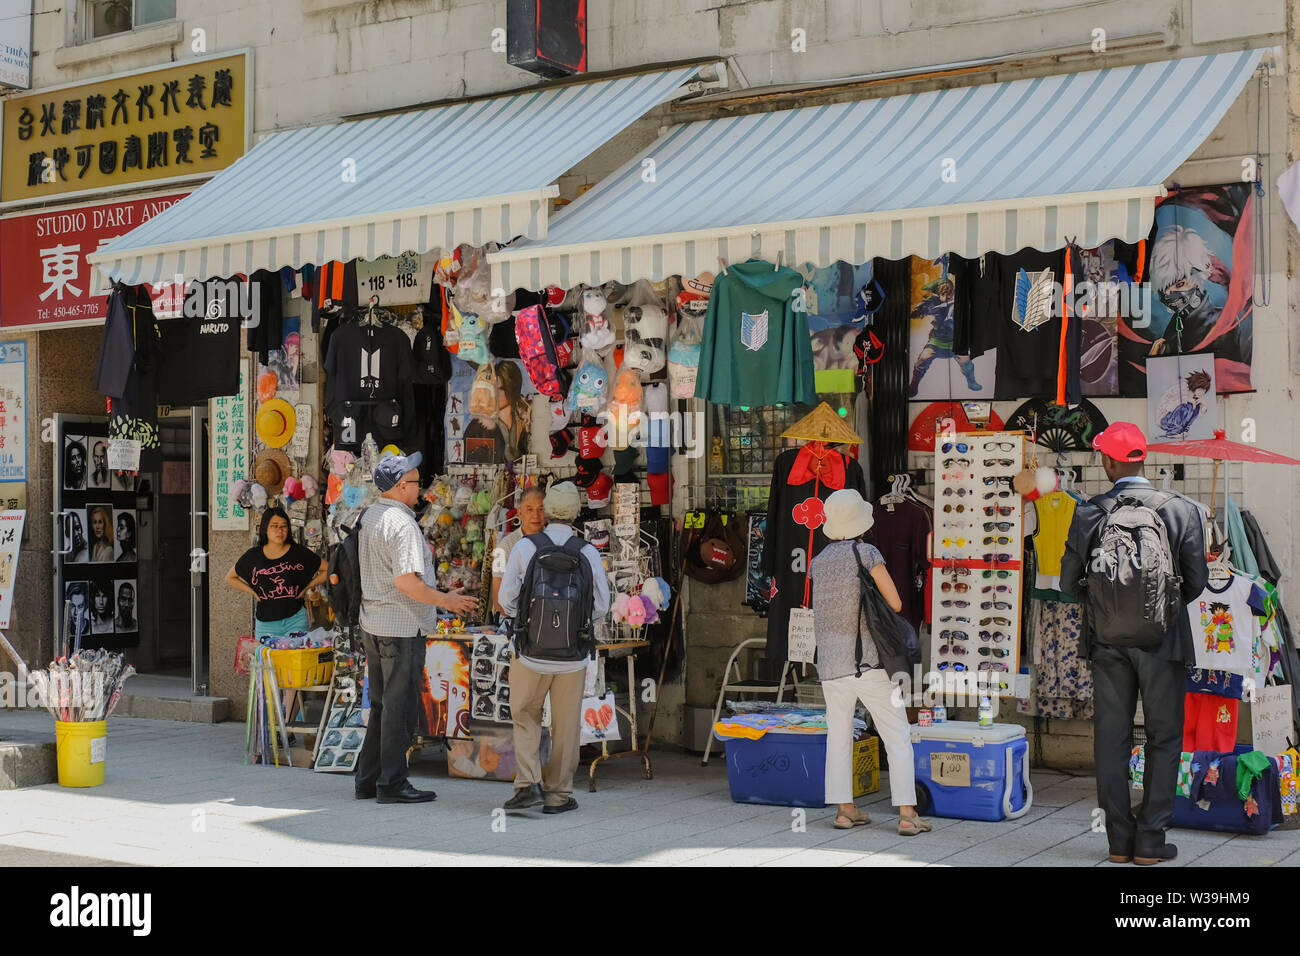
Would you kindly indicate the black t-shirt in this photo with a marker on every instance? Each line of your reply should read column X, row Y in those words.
column 278, row 582
column 200, row 360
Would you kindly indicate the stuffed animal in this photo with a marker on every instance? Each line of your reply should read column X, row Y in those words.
column 620, row 607
column 635, row 610
column 649, row 610
column 625, row 406
column 587, row 394
column 647, row 331
column 596, row 334
column 473, row 337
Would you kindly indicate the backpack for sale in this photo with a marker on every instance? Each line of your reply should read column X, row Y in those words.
column 538, row 351
column 345, row 575
column 1133, row 595
column 555, row 605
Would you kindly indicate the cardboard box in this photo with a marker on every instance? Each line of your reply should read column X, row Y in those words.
column 866, row 766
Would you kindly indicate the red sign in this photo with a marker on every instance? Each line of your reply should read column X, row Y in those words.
column 45, row 280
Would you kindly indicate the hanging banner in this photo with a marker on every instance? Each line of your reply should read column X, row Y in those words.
column 151, row 126
column 11, row 536
column 228, row 425
column 44, row 277
column 13, row 412
column 16, row 43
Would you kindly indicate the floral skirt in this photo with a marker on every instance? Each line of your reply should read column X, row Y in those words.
column 1062, row 681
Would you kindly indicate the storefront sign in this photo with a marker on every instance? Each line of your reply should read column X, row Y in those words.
column 44, row 277
column 396, row 280
column 16, row 43
column 157, row 125
column 13, row 412
column 228, row 424
column 11, row 536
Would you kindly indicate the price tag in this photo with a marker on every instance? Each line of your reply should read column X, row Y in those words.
column 1270, row 720
column 802, row 642
column 300, row 443
column 123, row 454
column 98, row 749
column 950, row 769
column 396, row 280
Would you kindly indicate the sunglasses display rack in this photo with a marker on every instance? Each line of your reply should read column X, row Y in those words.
column 977, row 572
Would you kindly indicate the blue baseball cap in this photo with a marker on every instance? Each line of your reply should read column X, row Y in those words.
column 392, row 467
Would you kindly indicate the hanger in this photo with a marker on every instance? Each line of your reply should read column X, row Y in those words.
column 1166, row 477
column 777, row 267
column 724, row 264
column 897, row 488
column 369, row 318
column 1220, row 567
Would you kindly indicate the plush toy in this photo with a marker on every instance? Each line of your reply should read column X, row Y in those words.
column 482, row 502
column 334, row 489
column 649, row 610
column 353, row 496
column 647, row 333
column 340, row 461
column 293, row 489
column 635, row 610
column 587, row 394
column 620, row 607
column 596, row 333
column 625, row 400
column 461, row 501
column 309, row 486
column 655, row 593
column 258, row 495
column 474, row 530
column 473, row 337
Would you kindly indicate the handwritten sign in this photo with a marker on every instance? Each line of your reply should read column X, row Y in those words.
column 300, row 443
column 230, row 461
column 803, row 643
column 123, row 454
column 1270, row 720
column 950, row 769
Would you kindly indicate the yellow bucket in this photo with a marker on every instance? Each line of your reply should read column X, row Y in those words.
column 82, row 747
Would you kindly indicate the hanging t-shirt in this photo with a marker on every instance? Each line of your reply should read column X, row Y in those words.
column 901, row 532
column 128, row 372
column 1224, row 627
column 1054, row 511
column 266, row 324
column 199, row 360
column 278, row 581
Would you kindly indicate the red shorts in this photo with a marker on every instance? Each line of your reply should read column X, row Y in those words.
column 1209, row 723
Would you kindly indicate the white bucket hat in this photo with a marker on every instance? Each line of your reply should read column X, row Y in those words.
column 847, row 515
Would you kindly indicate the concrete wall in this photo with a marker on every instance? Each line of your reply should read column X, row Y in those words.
column 319, row 60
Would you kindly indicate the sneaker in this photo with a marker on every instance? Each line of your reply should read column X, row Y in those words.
column 405, row 794
column 570, row 804
column 524, row 798
column 1159, row 855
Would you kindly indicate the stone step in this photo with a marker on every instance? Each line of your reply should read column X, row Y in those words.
column 27, row 759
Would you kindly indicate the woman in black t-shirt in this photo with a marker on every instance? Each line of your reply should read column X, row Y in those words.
column 277, row 572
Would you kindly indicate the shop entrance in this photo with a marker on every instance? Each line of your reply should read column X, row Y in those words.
column 122, row 569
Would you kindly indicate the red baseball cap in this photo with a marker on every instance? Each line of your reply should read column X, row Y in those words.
column 1122, row 441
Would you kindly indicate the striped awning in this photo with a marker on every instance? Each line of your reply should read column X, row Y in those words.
column 408, row 182
column 993, row 168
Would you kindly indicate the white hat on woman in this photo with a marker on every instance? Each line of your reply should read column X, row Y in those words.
column 847, row 515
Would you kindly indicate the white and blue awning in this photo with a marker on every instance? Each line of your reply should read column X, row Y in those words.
column 471, row 172
column 993, row 168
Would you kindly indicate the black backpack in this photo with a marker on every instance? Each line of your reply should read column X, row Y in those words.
column 554, row 618
column 345, row 575
column 1133, row 586
column 896, row 642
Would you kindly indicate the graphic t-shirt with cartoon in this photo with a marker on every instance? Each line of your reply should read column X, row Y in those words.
column 1224, row 626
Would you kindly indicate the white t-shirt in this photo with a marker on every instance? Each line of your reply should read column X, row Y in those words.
column 1224, row 626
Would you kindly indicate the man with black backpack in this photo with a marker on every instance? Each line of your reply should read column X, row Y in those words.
column 1135, row 557
column 554, row 588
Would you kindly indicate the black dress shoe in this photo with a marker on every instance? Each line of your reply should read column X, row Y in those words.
column 405, row 794
column 570, row 804
column 1121, row 856
column 1158, row 855
column 524, row 798
column 365, row 793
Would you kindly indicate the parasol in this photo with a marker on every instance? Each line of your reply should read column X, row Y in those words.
column 1220, row 449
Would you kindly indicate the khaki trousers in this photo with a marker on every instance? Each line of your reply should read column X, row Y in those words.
column 528, row 691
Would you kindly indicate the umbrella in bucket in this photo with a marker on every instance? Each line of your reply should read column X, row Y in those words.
column 1220, row 449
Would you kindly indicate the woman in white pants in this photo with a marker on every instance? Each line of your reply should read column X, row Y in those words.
column 836, row 610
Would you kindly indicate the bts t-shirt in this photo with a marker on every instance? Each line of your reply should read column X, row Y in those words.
column 278, row 581
column 1224, row 626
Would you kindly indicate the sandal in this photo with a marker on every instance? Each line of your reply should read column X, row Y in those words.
column 911, row 826
column 860, row 820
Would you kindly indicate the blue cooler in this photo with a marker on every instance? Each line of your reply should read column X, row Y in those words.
column 781, row 768
column 971, row 772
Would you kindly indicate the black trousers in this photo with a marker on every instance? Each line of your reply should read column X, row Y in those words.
column 1117, row 675
column 393, row 666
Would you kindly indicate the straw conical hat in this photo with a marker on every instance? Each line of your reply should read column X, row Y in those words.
column 823, row 425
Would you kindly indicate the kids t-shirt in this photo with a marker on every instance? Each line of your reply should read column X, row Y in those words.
column 1224, row 626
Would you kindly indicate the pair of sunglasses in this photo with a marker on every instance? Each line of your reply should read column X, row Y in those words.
column 994, row 636
column 995, row 606
column 957, row 604
column 957, row 508
column 953, row 619
column 997, row 574
column 998, row 539
column 960, row 587
column 995, row 558
column 996, row 479
column 994, row 651
column 995, row 589
column 960, row 542
column 999, row 446
column 955, row 476
column 959, row 492
column 999, row 621
column 959, row 462
column 990, row 462
column 949, row 446
column 953, row 636
column 956, row 650
column 999, row 525
column 992, row 494
column 949, row 665
column 989, row 666
column 1004, row 510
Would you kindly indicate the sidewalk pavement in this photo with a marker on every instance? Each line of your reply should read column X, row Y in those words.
column 179, row 793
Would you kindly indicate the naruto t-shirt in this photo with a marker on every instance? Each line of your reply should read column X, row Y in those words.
column 278, row 581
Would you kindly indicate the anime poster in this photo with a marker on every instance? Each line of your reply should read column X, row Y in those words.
column 839, row 299
column 1200, row 266
column 1181, row 398
column 444, row 689
column 491, row 426
column 937, row 373
column 1099, row 365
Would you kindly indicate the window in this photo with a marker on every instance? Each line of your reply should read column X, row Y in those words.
column 750, row 438
column 107, row 17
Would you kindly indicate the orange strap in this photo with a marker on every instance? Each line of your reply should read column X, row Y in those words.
column 1141, row 260
column 1067, row 291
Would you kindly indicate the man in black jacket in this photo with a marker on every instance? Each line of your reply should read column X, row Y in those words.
column 1119, row 671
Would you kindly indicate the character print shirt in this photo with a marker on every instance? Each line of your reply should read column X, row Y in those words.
column 278, row 581
column 1224, row 626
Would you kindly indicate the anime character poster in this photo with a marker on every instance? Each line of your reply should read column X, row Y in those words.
column 840, row 299
column 1099, row 364
column 1200, row 266
column 938, row 373
column 444, row 689
column 1181, row 398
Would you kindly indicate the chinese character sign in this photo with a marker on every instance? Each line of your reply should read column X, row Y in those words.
column 183, row 120
column 44, row 276
column 13, row 411
column 16, row 43
column 11, row 536
column 229, row 461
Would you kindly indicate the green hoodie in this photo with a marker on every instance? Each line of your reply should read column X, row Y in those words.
column 756, row 349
